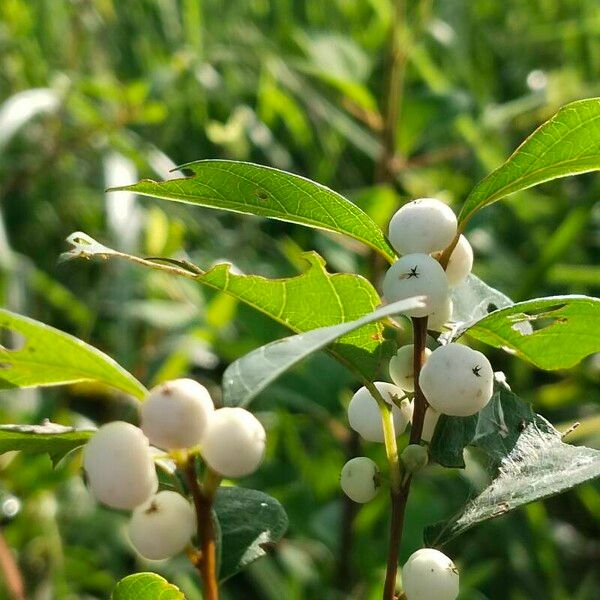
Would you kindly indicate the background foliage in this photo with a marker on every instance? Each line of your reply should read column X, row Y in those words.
column 97, row 93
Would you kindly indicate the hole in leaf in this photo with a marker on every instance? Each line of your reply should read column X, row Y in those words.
column 11, row 340
column 262, row 195
column 187, row 172
column 537, row 320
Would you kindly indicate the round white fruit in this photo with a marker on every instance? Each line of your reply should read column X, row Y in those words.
column 234, row 442
column 163, row 526
column 364, row 415
column 360, row 479
column 119, row 466
column 441, row 316
column 176, row 413
column 425, row 225
column 430, row 575
column 402, row 365
column 460, row 263
column 457, row 380
column 429, row 424
column 417, row 275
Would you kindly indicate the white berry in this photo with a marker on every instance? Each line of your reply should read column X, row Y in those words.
column 417, row 275
column 119, row 467
column 430, row 575
column 176, row 413
column 364, row 415
column 460, row 263
column 429, row 424
column 425, row 225
column 162, row 526
column 438, row 319
column 402, row 365
column 457, row 380
column 234, row 442
column 360, row 479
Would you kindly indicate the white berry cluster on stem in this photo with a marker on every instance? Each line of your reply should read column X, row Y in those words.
column 178, row 417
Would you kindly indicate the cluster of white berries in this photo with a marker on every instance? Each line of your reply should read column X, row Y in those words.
column 177, row 416
column 420, row 231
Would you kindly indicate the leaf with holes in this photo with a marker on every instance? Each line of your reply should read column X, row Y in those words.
column 51, row 438
column 538, row 466
column 44, row 356
column 257, row 190
column 251, row 522
column 146, row 586
column 494, row 430
column 567, row 144
column 248, row 376
column 308, row 301
column 552, row 333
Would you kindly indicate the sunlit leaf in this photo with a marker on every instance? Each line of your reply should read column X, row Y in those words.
column 267, row 192
column 42, row 356
column 567, row 144
column 551, row 333
column 51, row 438
column 146, row 586
column 308, row 301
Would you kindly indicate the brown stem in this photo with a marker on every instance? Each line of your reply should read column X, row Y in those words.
column 10, row 570
column 400, row 498
column 420, row 339
column 206, row 563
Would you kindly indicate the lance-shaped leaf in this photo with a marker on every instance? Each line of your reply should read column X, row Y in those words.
column 51, row 438
column 540, row 465
column 567, row 144
column 251, row 522
column 44, row 356
column 308, row 301
column 245, row 378
column 551, row 333
column 254, row 189
column 146, row 586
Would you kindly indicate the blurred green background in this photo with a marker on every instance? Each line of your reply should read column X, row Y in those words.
column 95, row 93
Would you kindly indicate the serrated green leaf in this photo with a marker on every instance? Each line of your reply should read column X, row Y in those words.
column 539, row 465
column 551, row 333
column 567, row 144
column 48, row 356
column 51, row 438
column 494, row 430
column 251, row 522
column 146, row 586
column 258, row 190
column 308, row 301
column 245, row 378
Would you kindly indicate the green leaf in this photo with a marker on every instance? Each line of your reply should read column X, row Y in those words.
column 54, row 439
column 308, row 301
column 551, row 333
column 146, row 586
column 539, row 465
column 257, row 190
column 494, row 430
column 46, row 356
column 251, row 522
column 245, row 378
column 567, row 144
